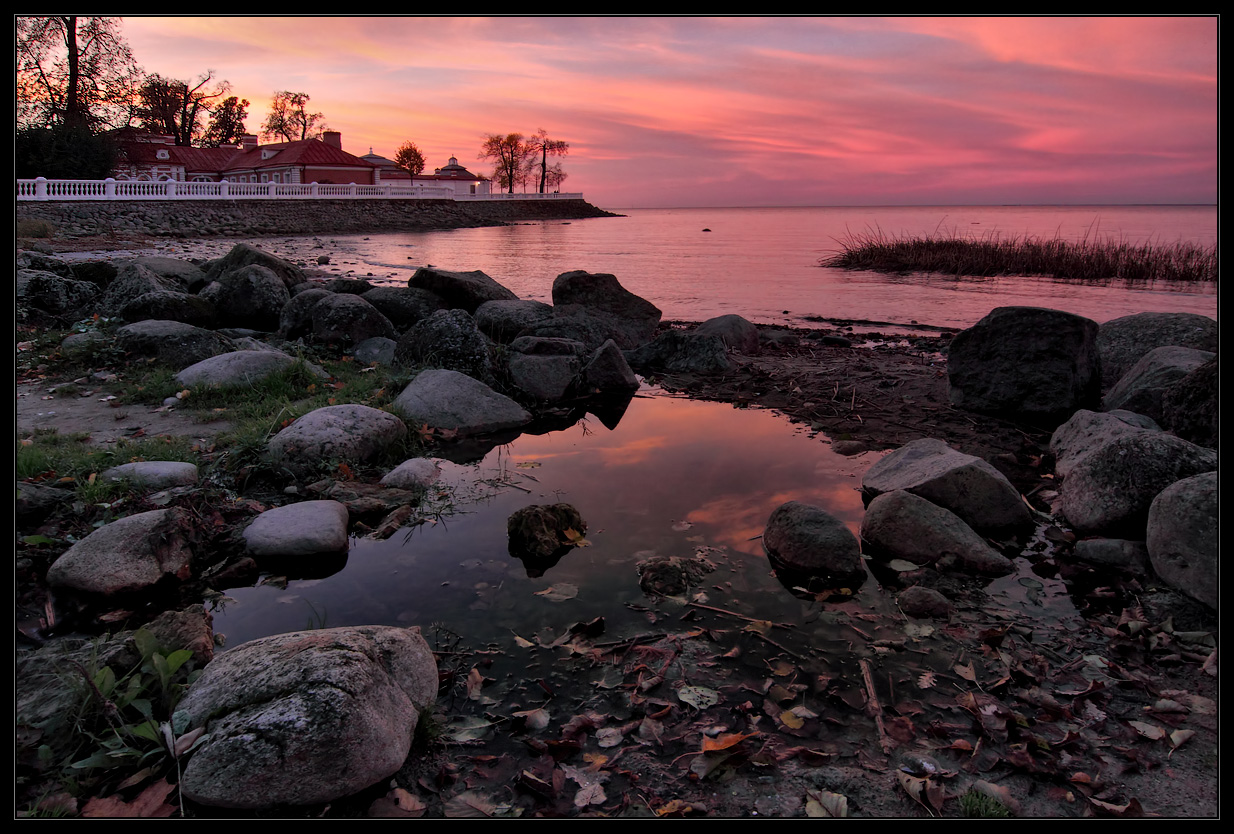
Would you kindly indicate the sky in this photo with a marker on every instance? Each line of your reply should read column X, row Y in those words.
column 752, row 111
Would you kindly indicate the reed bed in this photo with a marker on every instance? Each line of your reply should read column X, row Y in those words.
column 1083, row 260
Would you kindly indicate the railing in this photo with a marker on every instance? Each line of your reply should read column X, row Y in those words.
column 110, row 189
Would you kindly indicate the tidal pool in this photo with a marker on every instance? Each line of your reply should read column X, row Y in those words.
column 669, row 477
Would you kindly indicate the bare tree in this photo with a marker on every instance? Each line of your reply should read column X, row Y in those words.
column 509, row 156
column 290, row 120
column 543, row 147
column 171, row 106
column 74, row 71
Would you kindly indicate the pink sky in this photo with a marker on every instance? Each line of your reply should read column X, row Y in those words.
column 753, row 111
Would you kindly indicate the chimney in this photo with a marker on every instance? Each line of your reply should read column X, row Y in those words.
column 333, row 138
column 248, row 141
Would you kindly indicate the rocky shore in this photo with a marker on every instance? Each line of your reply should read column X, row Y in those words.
column 1035, row 435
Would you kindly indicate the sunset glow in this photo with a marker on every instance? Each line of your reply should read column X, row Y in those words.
column 692, row 111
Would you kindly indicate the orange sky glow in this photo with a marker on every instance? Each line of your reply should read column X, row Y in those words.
column 753, row 111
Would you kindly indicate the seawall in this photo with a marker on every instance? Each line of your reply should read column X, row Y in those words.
column 243, row 218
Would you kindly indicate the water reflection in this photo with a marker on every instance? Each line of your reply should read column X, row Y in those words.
column 670, row 478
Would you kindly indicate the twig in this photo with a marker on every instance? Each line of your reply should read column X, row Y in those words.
column 739, row 616
column 873, row 707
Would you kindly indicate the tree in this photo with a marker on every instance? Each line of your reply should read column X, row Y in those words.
column 409, row 158
column 74, row 71
column 540, row 145
column 290, row 120
column 509, row 155
column 226, row 126
column 171, row 106
column 63, row 152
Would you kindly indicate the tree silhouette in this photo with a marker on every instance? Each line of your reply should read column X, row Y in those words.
column 544, row 147
column 290, row 120
column 409, row 158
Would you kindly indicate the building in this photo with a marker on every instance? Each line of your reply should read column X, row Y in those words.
column 457, row 177
column 154, row 157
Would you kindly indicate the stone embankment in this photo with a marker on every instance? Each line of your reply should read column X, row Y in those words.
column 244, row 218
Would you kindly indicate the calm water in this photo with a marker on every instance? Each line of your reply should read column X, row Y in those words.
column 762, row 263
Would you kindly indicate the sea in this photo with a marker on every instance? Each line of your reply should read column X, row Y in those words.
column 764, row 263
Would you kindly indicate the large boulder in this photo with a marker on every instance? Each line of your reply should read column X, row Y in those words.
column 462, row 290
column 132, row 280
column 346, row 319
column 185, row 273
column 900, row 525
column 306, row 528
column 348, row 433
column 1190, row 407
column 608, row 371
column 632, row 321
column 245, row 254
column 545, row 369
column 173, row 343
column 1110, row 491
column 446, row 339
column 1141, row 388
column 1089, row 430
column 808, row 540
column 678, row 351
column 1123, row 341
column 1183, row 537
column 250, row 297
column 56, row 294
column 307, row 717
column 239, row 367
column 572, row 323
column 405, row 306
column 128, row 555
column 1030, row 362
column 964, row 484
column 169, row 305
column 296, row 317
column 445, row 399
column 736, row 332
column 504, row 321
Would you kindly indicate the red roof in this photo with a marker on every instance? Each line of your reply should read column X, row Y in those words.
column 305, row 152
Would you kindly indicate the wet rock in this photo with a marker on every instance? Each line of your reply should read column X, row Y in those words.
column 345, row 319
column 608, row 371
column 504, row 321
column 1190, row 407
column 413, row 474
column 461, row 290
column 1183, row 536
column 964, row 484
column 405, row 307
column 447, row 339
column 632, row 321
column 130, row 554
column 307, row 717
column 1123, row 341
column 243, row 254
column 541, row 531
column 670, row 576
column 251, row 297
column 1110, row 491
column 445, row 399
column 1035, row 363
column 809, row 540
column 901, row 525
column 1125, row 554
column 544, row 369
column 348, row 432
column 924, row 602
column 676, row 351
column 307, row 528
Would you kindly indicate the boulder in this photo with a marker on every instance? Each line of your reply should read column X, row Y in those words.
column 632, row 320
column 376, row 350
column 1089, row 430
column 808, row 540
column 1183, row 538
column 446, row 339
column 348, row 433
column 296, row 317
column 1030, row 362
column 55, row 294
column 415, row 474
column 677, row 351
column 404, row 306
column 240, row 367
column 1123, row 341
column 131, row 281
column 737, row 333
column 539, row 531
column 1124, row 554
column 342, row 318
column 172, row 343
column 608, row 371
column 184, row 273
column 153, row 474
column 1190, row 407
column 461, row 290
column 127, row 555
column 245, row 254
column 445, row 399
column 307, row 717
column 35, row 502
column 250, row 297
column 307, row 528
column 901, row 525
column 1141, row 388
column 574, row 324
column 918, row 601
column 544, row 369
column 964, row 484
column 169, row 305
column 504, row 321
column 1110, row 491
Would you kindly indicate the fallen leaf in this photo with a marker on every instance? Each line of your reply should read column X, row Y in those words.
column 724, row 741
column 1148, row 730
column 148, row 804
column 1178, row 737
column 902, row 565
column 609, row 737
column 924, row 791
column 1000, row 793
column 536, row 719
column 559, row 592
column 470, row 805
column 826, row 804
column 699, row 697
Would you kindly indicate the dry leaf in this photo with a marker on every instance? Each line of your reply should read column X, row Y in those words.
column 148, row 804
column 470, row 805
column 826, row 804
column 724, row 741
column 560, row 592
column 927, row 793
column 1148, row 730
column 1000, row 793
